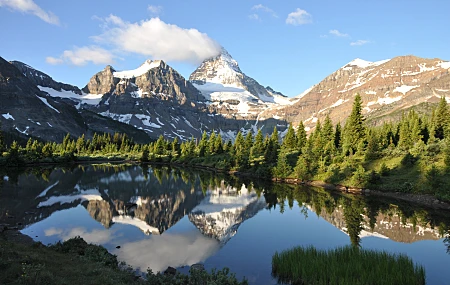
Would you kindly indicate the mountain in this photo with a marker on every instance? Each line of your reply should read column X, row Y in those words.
column 230, row 91
column 387, row 87
column 158, row 100
column 39, row 78
column 26, row 111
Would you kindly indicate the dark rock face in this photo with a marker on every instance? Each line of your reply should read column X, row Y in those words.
column 39, row 78
column 31, row 112
column 271, row 91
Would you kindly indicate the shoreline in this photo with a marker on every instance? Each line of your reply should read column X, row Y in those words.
column 422, row 199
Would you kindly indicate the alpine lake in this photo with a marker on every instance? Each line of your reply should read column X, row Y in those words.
column 156, row 217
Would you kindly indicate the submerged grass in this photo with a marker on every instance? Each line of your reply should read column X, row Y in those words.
column 345, row 265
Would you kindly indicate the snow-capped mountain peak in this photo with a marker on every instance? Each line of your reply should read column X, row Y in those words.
column 146, row 66
column 360, row 63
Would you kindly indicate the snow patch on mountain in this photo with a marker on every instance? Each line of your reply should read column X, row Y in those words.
column 44, row 100
column 385, row 100
column 8, row 116
column 146, row 66
column 363, row 63
column 404, row 88
column 90, row 99
column 444, row 64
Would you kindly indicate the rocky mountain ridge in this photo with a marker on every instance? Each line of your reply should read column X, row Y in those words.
column 387, row 88
column 154, row 99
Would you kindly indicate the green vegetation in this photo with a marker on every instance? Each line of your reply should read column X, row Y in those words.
column 345, row 265
column 76, row 262
column 411, row 156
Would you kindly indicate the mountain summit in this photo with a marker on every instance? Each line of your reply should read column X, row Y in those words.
column 224, row 71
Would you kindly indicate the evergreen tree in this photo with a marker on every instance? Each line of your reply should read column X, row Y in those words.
column 203, row 145
column 289, row 140
column 218, row 144
column 159, row 146
column 212, row 143
column 175, row 148
column 327, row 130
column 248, row 141
column 354, row 130
column 337, row 136
column 258, row 146
column 145, row 154
column 301, row 136
column 441, row 120
column 301, row 169
column 283, row 169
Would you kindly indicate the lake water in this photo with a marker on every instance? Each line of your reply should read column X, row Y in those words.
column 162, row 217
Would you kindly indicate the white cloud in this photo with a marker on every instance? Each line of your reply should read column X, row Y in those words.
column 155, row 10
column 265, row 9
column 253, row 17
column 156, row 39
column 339, row 34
column 53, row 60
column 299, row 17
column 28, row 6
column 83, row 55
column 359, row 43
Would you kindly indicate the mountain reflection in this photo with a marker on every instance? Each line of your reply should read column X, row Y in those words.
column 360, row 216
column 138, row 208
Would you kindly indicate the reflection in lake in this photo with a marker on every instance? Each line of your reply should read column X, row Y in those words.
column 162, row 217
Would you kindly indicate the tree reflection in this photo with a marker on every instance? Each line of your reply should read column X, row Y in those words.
column 353, row 211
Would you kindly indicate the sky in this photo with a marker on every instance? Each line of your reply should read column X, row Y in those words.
column 289, row 45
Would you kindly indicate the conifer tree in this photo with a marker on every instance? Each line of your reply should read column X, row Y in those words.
column 327, row 130
column 354, row 130
column 338, row 135
column 283, row 169
column 258, row 146
column 441, row 120
column 289, row 140
column 301, row 136
column 218, row 144
column 212, row 143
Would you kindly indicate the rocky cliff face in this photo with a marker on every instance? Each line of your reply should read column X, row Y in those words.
column 387, row 87
column 39, row 78
column 153, row 79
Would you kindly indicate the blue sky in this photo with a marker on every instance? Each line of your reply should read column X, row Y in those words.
column 289, row 45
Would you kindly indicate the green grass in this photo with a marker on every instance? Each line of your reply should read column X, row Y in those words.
column 77, row 262
column 37, row 264
column 345, row 265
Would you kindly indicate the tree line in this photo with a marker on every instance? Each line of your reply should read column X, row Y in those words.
column 412, row 155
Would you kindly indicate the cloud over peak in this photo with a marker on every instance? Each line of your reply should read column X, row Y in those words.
column 29, row 7
column 159, row 40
